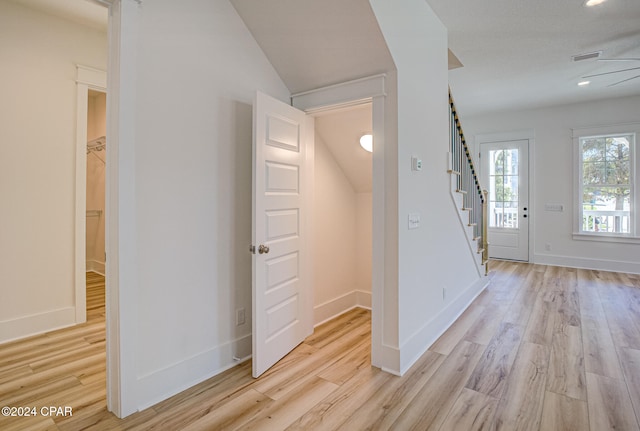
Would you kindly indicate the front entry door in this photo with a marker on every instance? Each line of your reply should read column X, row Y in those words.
column 282, row 165
column 505, row 170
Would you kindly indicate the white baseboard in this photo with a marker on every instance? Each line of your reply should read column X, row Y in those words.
column 96, row 266
column 390, row 360
column 162, row 384
column 363, row 299
column 587, row 263
column 340, row 305
column 35, row 324
column 421, row 340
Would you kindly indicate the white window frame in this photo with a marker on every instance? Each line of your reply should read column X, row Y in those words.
column 632, row 129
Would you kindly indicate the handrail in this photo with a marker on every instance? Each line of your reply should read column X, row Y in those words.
column 475, row 199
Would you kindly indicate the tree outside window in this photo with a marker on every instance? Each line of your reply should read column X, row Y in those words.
column 606, row 183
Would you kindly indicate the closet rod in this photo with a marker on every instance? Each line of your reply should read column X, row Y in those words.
column 97, row 144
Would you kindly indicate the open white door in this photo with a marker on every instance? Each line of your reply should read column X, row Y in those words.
column 282, row 165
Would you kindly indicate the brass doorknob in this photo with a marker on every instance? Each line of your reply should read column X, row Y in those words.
column 263, row 249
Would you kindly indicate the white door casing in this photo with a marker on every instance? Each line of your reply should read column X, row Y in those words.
column 282, row 314
column 504, row 167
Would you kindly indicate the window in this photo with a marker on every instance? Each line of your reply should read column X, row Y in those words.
column 503, row 188
column 605, row 183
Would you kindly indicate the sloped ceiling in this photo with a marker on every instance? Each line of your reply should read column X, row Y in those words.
column 315, row 43
column 340, row 131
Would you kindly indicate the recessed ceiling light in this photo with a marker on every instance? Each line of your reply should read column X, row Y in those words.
column 366, row 142
column 583, row 83
column 590, row 3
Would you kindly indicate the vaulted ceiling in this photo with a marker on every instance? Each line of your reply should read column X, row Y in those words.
column 516, row 54
column 315, row 43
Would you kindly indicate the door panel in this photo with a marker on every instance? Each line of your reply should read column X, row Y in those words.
column 504, row 168
column 282, row 308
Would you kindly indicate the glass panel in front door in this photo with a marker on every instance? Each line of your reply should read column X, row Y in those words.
column 503, row 188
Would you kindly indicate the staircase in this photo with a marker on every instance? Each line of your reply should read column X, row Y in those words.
column 467, row 194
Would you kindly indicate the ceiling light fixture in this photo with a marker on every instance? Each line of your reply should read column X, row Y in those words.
column 583, row 83
column 590, row 3
column 366, row 142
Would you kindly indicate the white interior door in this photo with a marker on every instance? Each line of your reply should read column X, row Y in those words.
column 282, row 167
column 505, row 171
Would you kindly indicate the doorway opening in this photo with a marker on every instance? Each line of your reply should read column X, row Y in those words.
column 95, row 182
column 342, row 212
column 283, row 167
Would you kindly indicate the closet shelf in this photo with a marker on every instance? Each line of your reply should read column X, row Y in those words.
column 94, row 213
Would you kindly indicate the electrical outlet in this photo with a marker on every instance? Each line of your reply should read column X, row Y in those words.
column 444, row 293
column 240, row 317
column 547, row 247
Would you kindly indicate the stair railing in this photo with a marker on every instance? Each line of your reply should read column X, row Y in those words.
column 475, row 199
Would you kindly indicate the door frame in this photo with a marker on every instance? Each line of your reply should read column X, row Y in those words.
column 120, row 214
column 351, row 93
column 519, row 135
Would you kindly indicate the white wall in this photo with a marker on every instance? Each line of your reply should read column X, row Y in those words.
column 197, row 69
column 551, row 177
column 434, row 256
column 39, row 54
column 342, row 240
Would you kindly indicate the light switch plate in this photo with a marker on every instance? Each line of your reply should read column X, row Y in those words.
column 414, row 221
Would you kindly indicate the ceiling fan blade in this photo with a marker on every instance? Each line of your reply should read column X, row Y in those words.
column 624, row 80
column 609, row 73
column 620, row 59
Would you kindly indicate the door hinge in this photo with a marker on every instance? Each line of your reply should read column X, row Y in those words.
column 252, row 249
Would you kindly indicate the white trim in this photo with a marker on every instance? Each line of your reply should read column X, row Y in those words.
column 632, row 129
column 94, row 78
column 615, row 129
column 363, row 299
column 420, row 341
column 120, row 245
column 340, row 95
column 517, row 135
column 152, row 387
column 606, row 237
column 96, row 266
column 337, row 306
column 35, row 324
column 588, row 263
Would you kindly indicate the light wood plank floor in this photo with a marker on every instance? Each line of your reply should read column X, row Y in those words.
column 543, row 348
